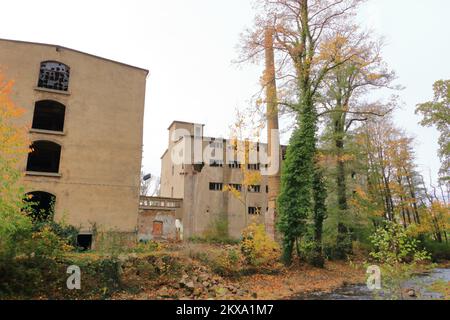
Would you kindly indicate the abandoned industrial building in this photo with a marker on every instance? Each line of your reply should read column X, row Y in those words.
column 85, row 120
column 199, row 186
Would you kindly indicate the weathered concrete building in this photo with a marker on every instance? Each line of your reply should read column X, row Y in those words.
column 199, row 169
column 85, row 119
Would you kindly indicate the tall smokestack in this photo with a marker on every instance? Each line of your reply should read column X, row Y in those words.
column 273, row 138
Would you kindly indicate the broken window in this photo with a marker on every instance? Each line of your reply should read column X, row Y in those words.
column 213, row 186
column 40, row 206
column 84, row 242
column 44, row 157
column 54, row 75
column 49, row 115
column 254, row 210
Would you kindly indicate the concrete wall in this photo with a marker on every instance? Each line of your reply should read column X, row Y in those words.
column 102, row 140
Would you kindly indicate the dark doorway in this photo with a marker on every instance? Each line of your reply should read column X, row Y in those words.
column 41, row 206
column 49, row 115
column 44, row 157
column 84, row 241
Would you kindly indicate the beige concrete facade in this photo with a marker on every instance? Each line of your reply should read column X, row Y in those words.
column 101, row 144
column 190, row 182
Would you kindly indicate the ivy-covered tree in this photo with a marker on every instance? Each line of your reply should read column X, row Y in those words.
column 294, row 207
column 320, row 214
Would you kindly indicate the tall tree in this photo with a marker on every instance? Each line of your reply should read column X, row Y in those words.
column 342, row 93
column 304, row 33
column 437, row 113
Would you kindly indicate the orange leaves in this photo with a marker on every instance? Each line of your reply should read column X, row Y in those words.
column 12, row 137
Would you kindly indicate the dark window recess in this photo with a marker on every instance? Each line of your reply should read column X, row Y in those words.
column 40, row 206
column 255, row 189
column 255, row 166
column 44, row 157
column 84, row 241
column 283, row 152
column 54, row 75
column 49, row 115
column 254, row 210
column 237, row 187
column 267, row 189
column 215, row 186
column 234, row 165
column 216, row 163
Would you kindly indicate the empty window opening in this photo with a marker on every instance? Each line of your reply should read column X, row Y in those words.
column 254, row 210
column 84, row 242
column 49, row 115
column 237, row 187
column 255, row 166
column 44, row 157
column 40, row 206
column 54, row 75
column 255, row 189
column 215, row 186
column 235, row 165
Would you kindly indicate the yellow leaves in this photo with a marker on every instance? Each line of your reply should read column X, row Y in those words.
column 373, row 76
column 257, row 248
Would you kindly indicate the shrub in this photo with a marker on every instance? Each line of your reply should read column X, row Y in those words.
column 398, row 255
column 393, row 245
column 257, row 248
column 146, row 247
column 65, row 232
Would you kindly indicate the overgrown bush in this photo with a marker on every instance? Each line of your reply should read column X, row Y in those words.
column 398, row 255
column 257, row 248
column 63, row 231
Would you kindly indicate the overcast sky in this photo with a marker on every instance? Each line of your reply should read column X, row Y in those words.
column 188, row 46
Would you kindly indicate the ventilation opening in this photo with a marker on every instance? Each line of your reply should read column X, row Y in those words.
column 44, row 157
column 84, row 241
column 40, row 206
column 49, row 115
